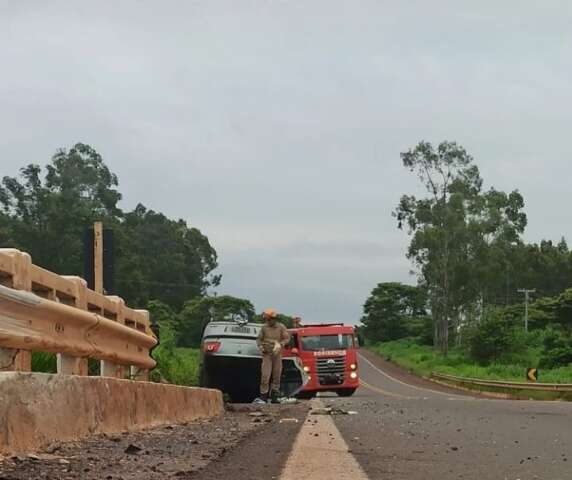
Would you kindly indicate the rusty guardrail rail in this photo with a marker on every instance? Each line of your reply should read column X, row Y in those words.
column 45, row 312
column 544, row 387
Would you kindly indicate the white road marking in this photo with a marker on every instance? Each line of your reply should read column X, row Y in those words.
column 362, row 358
column 320, row 452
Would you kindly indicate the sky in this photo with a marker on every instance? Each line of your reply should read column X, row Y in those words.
column 276, row 127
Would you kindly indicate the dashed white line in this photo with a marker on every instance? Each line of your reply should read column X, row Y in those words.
column 320, row 452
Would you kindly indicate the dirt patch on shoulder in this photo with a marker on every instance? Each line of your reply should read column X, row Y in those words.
column 173, row 451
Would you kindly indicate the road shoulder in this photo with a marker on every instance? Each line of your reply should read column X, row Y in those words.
column 402, row 375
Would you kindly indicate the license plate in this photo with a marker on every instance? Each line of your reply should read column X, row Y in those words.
column 241, row 329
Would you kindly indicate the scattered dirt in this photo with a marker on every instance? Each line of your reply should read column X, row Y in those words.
column 172, row 451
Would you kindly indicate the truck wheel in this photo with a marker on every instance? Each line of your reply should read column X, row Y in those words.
column 346, row 392
column 306, row 395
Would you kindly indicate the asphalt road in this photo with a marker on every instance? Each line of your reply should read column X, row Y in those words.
column 409, row 429
column 405, row 428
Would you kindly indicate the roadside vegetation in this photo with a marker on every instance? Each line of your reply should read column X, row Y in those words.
column 161, row 264
column 423, row 360
column 466, row 314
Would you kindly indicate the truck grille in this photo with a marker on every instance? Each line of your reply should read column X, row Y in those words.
column 330, row 370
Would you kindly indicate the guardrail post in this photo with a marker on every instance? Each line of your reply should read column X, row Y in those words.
column 15, row 360
column 71, row 365
column 111, row 369
column 139, row 374
column 68, row 365
column 12, row 359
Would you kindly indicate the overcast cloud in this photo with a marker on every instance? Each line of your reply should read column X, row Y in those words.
column 276, row 126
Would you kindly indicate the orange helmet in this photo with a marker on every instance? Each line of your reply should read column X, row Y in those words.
column 269, row 313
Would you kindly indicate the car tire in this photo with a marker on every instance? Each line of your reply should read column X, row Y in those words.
column 306, row 395
column 204, row 379
column 346, row 392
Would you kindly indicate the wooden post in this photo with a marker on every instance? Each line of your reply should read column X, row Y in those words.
column 98, row 257
column 106, row 368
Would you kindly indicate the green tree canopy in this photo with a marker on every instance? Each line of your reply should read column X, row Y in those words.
column 49, row 211
column 45, row 212
column 162, row 259
column 456, row 230
column 393, row 311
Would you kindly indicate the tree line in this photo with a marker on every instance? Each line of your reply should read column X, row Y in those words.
column 162, row 264
column 470, row 257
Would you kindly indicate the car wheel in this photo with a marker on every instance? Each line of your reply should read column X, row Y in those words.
column 306, row 395
column 204, row 380
column 346, row 392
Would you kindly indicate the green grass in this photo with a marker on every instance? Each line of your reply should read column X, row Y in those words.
column 422, row 360
column 177, row 365
column 174, row 365
column 44, row 362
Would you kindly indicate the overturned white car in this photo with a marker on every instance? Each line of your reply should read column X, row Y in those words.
column 230, row 362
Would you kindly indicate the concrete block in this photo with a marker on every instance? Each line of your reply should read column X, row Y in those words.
column 37, row 409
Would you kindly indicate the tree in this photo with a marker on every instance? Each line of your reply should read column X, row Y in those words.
column 162, row 259
column 49, row 212
column 45, row 212
column 199, row 311
column 456, row 231
column 393, row 310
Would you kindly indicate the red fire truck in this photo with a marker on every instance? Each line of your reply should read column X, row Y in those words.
column 329, row 355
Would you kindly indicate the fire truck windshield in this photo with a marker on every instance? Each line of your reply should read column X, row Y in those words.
column 327, row 342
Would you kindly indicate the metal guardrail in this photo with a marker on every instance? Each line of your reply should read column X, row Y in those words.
column 45, row 312
column 545, row 387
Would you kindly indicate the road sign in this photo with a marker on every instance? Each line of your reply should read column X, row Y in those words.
column 532, row 374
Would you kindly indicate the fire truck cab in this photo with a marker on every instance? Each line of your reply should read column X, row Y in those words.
column 329, row 356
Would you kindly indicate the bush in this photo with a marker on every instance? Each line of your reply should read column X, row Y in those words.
column 557, row 349
column 488, row 340
column 175, row 365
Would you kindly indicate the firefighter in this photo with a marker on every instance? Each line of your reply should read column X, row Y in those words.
column 272, row 338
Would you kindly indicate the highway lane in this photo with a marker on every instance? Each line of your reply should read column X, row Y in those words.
column 405, row 429
column 410, row 429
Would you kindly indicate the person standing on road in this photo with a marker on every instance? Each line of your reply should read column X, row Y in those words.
column 296, row 322
column 272, row 337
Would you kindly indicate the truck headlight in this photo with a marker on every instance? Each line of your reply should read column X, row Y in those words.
column 353, row 366
column 353, row 375
column 306, row 368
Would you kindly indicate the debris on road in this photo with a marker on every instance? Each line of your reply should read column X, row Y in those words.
column 258, row 414
column 169, row 451
column 132, row 449
column 288, row 420
column 332, row 411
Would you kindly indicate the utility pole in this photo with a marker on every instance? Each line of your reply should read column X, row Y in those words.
column 527, row 293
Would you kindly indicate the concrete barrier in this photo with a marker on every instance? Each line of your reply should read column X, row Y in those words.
column 38, row 409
